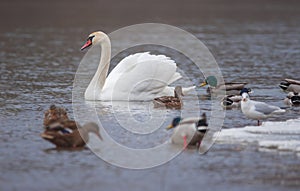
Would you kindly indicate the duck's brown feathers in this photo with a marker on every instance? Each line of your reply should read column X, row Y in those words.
column 55, row 114
column 70, row 136
column 170, row 102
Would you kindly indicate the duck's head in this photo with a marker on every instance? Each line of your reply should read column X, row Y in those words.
column 178, row 91
column 211, row 81
column 174, row 123
column 94, row 38
column 227, row 102
column 203, row 121
column 93, row 128
column 295, row 99
column 284, row 85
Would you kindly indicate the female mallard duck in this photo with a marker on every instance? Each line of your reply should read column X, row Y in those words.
column 292, row 99
column 232, row 87
column 55, row 114
column 290, row 85
column 170, row 102
column 234, row 101
column 68, row 134
column 189, row 131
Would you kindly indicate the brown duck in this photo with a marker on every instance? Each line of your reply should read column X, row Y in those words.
column 55, row 114
column 170, row 102
column 68, row 134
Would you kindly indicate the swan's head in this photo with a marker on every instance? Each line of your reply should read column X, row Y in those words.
column 94, row 38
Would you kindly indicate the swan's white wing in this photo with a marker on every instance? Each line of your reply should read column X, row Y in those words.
column 141, row 77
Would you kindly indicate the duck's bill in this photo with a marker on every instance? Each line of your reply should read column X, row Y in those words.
column 203, row 84
column 169, row 127
column 87, row 44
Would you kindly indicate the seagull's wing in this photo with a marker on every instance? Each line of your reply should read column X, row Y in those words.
column 265, row 108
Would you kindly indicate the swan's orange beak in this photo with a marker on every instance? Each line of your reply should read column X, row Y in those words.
column 87, row 44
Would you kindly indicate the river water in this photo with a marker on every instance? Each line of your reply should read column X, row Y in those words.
column 38, row 64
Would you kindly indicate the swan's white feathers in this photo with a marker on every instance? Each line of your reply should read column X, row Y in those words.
column 144, row 75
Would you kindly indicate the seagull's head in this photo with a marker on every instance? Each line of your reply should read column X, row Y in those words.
column 245, row 97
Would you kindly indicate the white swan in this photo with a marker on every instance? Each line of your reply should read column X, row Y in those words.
column 140, row 76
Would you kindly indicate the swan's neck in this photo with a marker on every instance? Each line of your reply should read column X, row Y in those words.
column 94, row 89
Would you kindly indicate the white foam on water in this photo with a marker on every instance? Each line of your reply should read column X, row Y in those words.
column 281, row 136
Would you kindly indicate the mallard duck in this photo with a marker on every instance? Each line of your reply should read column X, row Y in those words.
column 292, row 99
column 189, row 131
column 257, row 110
column 68, row 134
column 170, row 102
column 55, row 114
column 232, row 87
column 233, row 101
column 290, row 85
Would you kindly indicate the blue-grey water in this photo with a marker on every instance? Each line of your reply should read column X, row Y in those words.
column 38, row 66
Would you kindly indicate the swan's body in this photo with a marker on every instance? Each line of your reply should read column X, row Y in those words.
column 140, row 76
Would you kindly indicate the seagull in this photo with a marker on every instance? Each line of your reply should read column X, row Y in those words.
column 188, row 131
column 257, row 110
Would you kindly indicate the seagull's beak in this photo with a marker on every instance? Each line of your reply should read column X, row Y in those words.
column 87, row 44
column 203, row 84
column 169, row 127
column 244, row 99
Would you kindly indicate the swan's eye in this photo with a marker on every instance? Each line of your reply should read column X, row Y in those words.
column 91, row 37
column 88, row 42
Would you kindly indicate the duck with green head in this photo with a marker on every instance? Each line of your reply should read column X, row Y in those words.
column 188, row 131
column 214, row 87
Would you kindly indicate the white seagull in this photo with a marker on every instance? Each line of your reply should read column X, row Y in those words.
column 257, row 110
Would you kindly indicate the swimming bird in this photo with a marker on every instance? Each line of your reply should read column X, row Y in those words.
column 138, row 77
column 290, row 85
column 188, row 131
column 69, row 134
column 257, row 110
column 231, row 87
column 170, row 102
column 292, row 99
column 233, row 101
column 55, row 114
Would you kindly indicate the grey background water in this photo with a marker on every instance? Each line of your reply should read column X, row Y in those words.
column 255, row 42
